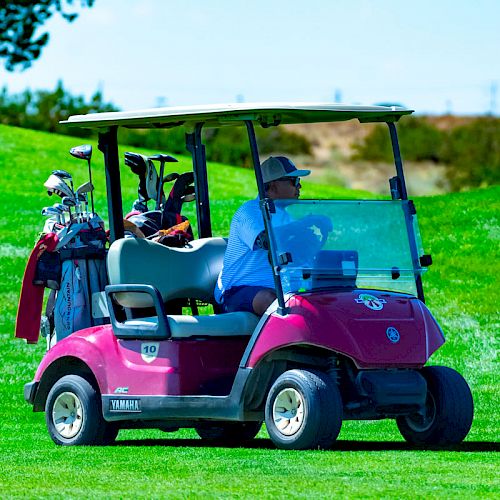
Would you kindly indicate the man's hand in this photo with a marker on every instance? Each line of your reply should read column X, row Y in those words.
column 321, row 222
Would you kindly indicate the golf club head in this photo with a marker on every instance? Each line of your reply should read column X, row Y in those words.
column 63, row 174
column 188, row 197
column 136, row 162
column 55, row 184
column 139, row 206
column 170, row 177
column 151, row 180
column 68, row 201
column 83, row 152
column 163, row 158
column 48, row 211
column 87, row 187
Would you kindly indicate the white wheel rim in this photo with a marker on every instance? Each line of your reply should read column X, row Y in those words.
column 67, row 415
column 288, row 411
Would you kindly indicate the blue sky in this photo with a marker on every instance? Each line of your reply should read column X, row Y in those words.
column 433, row 56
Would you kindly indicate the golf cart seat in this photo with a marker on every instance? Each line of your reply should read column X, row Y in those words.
column 143, row 273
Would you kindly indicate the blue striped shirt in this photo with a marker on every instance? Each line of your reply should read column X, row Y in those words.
column 242, row 264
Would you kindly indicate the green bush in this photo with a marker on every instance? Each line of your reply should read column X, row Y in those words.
column 230, row 145
column 43, row 110
column 170, row 141
column 419, row 141
column 472, row 154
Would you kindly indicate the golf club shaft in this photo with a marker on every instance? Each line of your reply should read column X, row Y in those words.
column 91, row 192
column 160, row 185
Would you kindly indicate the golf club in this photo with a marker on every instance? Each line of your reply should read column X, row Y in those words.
column 55, row 184
column 63, row 174
column 82, row 198
column 162, row 159
column 69, row 202
column 188, row 197
column 84, row 152
column 137, row 163
column 82, row 195
column 61, row 209
column 168, row 178
column 51, row 212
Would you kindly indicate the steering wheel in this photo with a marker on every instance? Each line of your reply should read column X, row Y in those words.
column 318, row 224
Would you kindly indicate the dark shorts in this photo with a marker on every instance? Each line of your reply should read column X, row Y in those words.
column 240, row 298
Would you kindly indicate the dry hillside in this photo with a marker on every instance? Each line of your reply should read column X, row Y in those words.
column 332, row 148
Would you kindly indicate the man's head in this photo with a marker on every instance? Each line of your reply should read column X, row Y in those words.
column 281, row 177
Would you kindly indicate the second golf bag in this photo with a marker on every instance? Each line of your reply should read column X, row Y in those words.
column 167, row 214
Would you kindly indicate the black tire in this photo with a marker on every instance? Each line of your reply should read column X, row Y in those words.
column 314, row 405
column 449, row 410
column 230, row 433
column 110, row 433
column 73, row 414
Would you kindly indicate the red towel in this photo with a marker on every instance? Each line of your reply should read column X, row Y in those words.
column 29, row 311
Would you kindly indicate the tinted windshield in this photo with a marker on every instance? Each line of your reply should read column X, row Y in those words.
column 361, row 244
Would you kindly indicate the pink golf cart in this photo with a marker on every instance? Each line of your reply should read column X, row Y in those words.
column 348, row 336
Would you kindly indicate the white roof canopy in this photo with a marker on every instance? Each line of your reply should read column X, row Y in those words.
column 215, row 115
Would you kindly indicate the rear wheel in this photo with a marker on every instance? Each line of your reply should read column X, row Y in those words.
column 230, row 432
column 448, row 413
column 303, row 410
column 73, row 414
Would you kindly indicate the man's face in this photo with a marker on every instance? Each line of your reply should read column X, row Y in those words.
column 285, row 188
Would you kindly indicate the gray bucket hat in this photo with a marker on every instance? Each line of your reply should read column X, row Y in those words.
column 276, row 167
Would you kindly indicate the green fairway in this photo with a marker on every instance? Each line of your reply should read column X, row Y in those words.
column 370, row 459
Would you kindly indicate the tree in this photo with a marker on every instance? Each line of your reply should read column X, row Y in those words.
column 20, row 44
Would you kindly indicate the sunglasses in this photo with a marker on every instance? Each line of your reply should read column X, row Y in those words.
column 294, row 180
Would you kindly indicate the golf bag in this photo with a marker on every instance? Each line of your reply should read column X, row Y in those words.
column 168, row 216
column 83, row 273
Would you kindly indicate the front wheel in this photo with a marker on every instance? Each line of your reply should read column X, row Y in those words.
column 448, row 413
column 73, row 414
column 303, row 410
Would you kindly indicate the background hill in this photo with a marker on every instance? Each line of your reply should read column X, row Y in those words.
column 460, row 230
column 336, row 153
column 444, row 153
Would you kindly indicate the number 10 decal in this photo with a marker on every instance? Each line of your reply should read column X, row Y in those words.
column 149, row 351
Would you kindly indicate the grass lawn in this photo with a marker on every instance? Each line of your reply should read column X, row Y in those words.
column 370, row 459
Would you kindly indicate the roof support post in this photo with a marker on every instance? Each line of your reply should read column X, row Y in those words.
column 255, row 159
column 397, row 159
column 266, row 206
column 108, row 144
column 196, row 147
column 409, row 210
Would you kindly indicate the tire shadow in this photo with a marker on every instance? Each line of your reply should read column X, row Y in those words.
column 341, row 445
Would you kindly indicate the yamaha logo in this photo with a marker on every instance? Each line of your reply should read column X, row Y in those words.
column 393, row 335
column 125, row 405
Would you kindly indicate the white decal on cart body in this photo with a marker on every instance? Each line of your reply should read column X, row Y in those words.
column 149, row 351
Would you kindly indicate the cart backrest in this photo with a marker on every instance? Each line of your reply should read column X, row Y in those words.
column 189, row 272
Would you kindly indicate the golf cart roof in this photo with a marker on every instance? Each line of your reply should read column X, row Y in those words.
column 215, row 115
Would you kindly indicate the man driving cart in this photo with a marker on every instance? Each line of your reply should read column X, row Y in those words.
column 246, row 281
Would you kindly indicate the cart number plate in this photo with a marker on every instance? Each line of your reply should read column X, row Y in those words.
column 149, row 351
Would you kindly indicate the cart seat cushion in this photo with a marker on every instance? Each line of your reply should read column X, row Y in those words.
column 213, row 325
column 189, row 272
